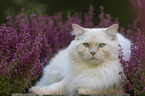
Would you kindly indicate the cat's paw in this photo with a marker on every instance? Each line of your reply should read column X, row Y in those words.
column 84, row 90
column 36, row 90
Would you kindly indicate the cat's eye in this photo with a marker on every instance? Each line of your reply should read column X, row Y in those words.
column 101, row 45
column 86, row 45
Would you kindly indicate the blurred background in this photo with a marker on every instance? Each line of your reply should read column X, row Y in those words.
column 117, row 8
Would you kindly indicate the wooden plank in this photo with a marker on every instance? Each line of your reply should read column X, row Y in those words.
column 117, row 95
column 88, row 94
column 54, row 95
column 24, row 94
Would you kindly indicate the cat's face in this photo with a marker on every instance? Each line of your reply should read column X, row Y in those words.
column 95, row 45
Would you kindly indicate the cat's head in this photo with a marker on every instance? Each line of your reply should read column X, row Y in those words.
column 94, row 45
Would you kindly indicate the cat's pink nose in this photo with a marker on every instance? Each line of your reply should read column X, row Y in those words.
column 93, row 52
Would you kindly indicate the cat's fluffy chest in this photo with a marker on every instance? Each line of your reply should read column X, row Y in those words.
column 94, row 77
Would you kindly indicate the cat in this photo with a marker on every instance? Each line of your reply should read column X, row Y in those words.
column 89, row 65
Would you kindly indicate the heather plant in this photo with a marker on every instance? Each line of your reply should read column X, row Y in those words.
column 55, row 29
column 106, row 20
column 134, row 68
column 19, row 59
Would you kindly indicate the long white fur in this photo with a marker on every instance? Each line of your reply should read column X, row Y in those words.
column 70, row 71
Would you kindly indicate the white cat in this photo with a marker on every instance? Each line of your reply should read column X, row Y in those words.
column 89, row 65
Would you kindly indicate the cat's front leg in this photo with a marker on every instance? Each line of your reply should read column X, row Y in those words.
column 37, row 90
column 56, row 88
column 85, row 90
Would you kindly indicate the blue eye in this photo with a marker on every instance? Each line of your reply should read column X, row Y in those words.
column 101, row 45
column 86, row 45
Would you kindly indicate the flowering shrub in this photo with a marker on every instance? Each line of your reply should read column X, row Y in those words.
column 135, row 68
column 56, row 30
column 19, row 59
column 26, row 42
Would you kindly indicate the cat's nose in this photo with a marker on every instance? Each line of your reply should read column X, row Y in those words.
column 93, row 52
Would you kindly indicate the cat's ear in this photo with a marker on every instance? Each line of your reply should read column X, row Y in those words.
column 77, row 30
column 112, row 31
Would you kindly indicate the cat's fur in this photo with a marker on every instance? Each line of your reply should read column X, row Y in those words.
column 76, row 70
